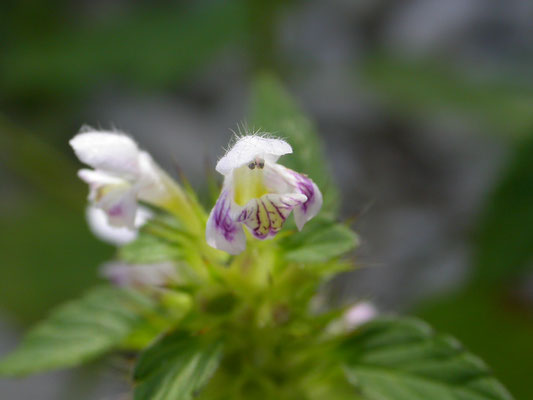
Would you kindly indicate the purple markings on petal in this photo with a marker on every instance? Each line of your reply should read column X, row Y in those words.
column 244, row 215
column 222, row 231
column 306, row 187
column 312, row 205
column 265, row 216
column 221, row 215
column 115, row 211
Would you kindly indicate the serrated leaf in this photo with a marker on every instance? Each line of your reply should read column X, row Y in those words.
column 504, row 240
column 274, row 111
column 175, row 367
column 470, row 314
column 320, row 240
column 78, row 331
column 148, row 249
column 404, row 359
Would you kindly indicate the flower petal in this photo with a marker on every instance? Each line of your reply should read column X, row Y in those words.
column 247, row 148
column 265, row 216
column 120, row 204
column 108, row 151
column 122, row 274
column 280, row 179
column 359, row 314
column 118, row 236
column 152, row 188
column 97, row 180
column 117, row 197
column 223, row 232
column 312, row 205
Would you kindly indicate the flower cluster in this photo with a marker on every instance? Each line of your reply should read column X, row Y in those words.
column 257, row 192
column 255, row 325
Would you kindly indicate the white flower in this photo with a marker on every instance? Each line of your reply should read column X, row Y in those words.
column 118, row 236
column 359, row 314
column 122, row 175
column 122, row 274
column 258, row 193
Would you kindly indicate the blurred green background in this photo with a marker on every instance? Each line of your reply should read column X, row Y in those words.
column 425, row 110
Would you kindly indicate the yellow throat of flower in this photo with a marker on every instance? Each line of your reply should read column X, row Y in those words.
column 248, row 184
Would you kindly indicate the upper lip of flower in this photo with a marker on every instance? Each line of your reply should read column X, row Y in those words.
column 111, row 152
column 247, row 148
column 122, row 173
column 258, row 193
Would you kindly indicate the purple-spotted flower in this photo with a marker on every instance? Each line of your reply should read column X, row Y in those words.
column 258, row 193
column 118, row 236
column 122, row 175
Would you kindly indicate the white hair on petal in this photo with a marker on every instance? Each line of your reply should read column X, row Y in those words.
column 243, row 130
column 243, row 148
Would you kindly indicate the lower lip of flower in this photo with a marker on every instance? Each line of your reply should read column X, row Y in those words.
column 223, row 219
column 115, row 211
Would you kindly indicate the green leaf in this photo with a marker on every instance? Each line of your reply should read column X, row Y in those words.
column 497, row 328
column 148, row 249
column 320, row 240
column 504, row 242
column 175, row 367
column 78, row 331
column 274, row 111
column 404, row 359
column 421, row 86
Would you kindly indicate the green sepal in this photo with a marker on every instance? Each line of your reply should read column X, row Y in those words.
column 320, row 240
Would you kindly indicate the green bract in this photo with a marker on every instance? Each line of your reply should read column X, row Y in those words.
column 243, row 326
